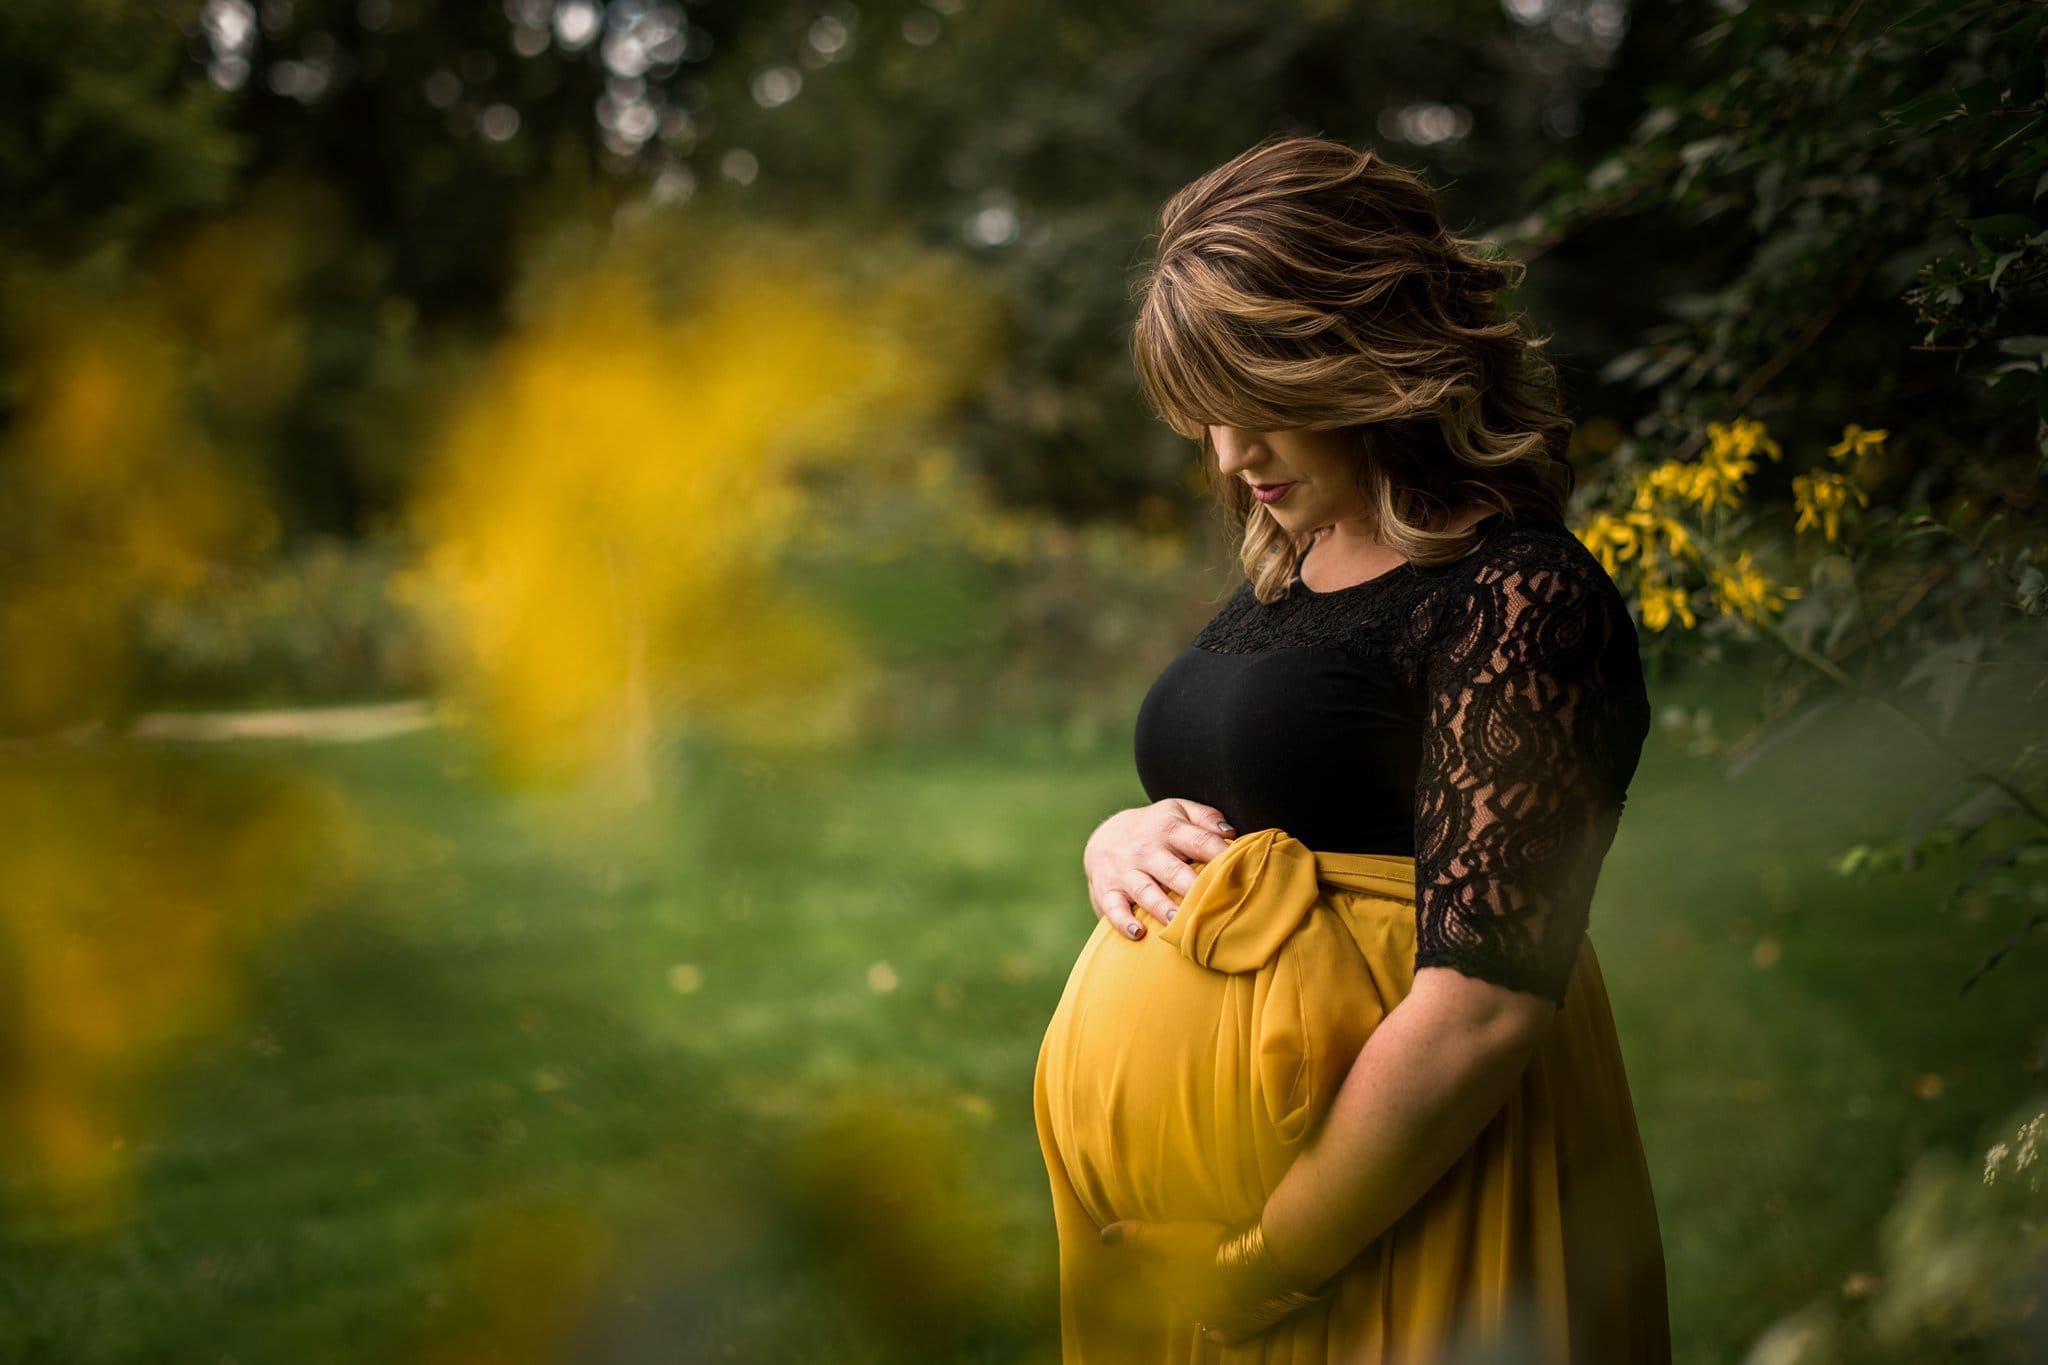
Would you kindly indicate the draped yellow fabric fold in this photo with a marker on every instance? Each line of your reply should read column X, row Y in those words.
column 1181, row 1073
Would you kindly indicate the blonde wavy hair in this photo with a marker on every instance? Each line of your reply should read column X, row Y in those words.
column 1308, row 284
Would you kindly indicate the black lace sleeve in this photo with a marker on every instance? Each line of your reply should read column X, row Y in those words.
column 1536, row 718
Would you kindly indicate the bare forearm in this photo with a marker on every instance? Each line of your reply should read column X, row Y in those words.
column 1424, row 1085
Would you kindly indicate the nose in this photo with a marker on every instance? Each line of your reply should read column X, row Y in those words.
column 1234, row 447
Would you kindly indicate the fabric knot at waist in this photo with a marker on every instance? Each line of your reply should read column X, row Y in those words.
column 1249, row 900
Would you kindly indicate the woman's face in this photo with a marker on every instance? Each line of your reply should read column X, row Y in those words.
column 1314, row 472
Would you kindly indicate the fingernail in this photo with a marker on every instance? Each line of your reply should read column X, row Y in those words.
column 1170, row 914
column 1228, row 829
column 1137, row 930
column 1112, row 1235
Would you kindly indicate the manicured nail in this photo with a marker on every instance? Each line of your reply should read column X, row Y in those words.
column 1137, row 930
column 1170, row 914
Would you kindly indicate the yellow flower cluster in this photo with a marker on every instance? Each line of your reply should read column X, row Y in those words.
column 1617, row 537
column 1822, row 498
column 1741, row 589
column 1731, row 457
column 1662, row 600
column 1650, row 537
column 1715, row 479
column 1857, row 442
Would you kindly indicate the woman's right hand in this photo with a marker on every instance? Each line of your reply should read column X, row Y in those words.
column 1137, row 857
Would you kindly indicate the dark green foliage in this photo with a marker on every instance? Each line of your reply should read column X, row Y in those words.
column 106, row 133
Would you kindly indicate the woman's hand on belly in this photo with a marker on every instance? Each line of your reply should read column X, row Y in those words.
column 1138, row 859
column 1180, row 1258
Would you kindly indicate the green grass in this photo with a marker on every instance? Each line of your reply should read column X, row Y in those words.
column 464, row 1111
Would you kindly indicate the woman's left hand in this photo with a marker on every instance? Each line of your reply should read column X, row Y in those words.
column 1182, row 1256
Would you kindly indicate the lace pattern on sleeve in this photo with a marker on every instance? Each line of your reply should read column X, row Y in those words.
column 1536, row 716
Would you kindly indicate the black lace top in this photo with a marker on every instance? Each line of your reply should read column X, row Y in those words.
column 1484, row 717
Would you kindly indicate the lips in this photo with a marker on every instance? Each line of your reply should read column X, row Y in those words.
column 1270, row 492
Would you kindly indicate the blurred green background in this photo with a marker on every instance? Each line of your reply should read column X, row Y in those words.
column 574, row 577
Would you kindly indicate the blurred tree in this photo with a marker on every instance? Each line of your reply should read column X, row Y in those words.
column 1041, row 139
column 105, row 137
column 110, row 488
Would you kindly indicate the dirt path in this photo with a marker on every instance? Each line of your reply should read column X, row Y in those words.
column 336, row 724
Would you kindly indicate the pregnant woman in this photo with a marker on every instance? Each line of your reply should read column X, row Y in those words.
column 1355, row 1093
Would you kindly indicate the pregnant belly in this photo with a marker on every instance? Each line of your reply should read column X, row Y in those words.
column 1174, row 1090
column 1140, row 1065
column 1181, row 1073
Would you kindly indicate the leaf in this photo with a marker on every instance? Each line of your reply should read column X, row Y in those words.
column 1926, row 110
column 2018, row 936
column 1623, row 365
column 2024, row 345
column 1839, row 629
column 1983, row 97
column 1923, row 819
column 1928, row 14
column 1986, row 805
column 2005, row 258
column 1700, row 149
column 1985, row 866
column 2031, row 17
column 1947, row 669
column 2028, row 591
column 1660, row 120
column 1999, row 225
column 2035, row 159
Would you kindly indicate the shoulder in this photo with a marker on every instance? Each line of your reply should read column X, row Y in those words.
column 1533, row 632
column 1545, row 554
column 1532, row 588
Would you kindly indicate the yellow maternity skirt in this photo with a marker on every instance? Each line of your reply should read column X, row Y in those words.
column 1183, row 1071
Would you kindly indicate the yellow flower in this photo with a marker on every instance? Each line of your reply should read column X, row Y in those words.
column 1639, row 528
column 1722, row 476
column 1741, row 589
column 1821, row 498
column 1612, row 539
column 1856, row 441
column 1676, row 538
column 1662, row 600
column 1716, row 479
column 1650, row 485
column 1700, row 484
column 1742, row 438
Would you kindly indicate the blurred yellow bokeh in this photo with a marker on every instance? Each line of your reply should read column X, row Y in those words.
column 135, row 891
column 116, row 496
column 609, row 503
